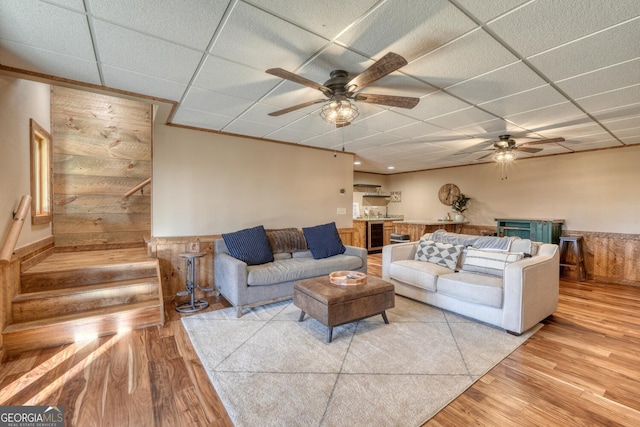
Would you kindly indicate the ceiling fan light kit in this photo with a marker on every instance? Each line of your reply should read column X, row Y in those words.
column 341, row 89
column 339, row 112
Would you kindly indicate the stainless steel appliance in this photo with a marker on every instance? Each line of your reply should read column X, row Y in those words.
column 375, row 235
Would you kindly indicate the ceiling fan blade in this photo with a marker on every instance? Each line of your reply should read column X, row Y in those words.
column 284, row 74
column 296, row 107
column 486, row 155
column 541, row 141
column 385, row 65
column 390, row 100
column 529, row 150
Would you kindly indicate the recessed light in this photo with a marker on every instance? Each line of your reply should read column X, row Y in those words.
column 391, row 167
column 357, row 163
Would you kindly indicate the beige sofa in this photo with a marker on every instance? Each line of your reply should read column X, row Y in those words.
column 526, row 294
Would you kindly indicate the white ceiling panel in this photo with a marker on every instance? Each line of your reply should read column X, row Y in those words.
column 603, row 80
column 262, row 40
column 543, row 68
column 142, row 83
column 50, row 63
column 486, row 11
column 145, row 54
column 33, row 23
column 165, row 19
column 545, row 24
column 618, row 44
column 474, row 54
column 524, row 101
column 505, row 81
column 413, row 30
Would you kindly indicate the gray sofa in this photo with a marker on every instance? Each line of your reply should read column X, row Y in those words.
column 515, row 299
column 247, row 286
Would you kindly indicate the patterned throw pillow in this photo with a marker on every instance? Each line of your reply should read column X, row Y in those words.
column 324, row 240
column 286, row 240
column 489, row 262
column 250, row 245
column 444, row 254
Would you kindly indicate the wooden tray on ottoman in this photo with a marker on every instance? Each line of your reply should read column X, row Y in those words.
column 334, row 305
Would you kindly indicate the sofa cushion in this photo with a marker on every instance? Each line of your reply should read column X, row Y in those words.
column 324, row 240
column 286, row 240
column 250, row 245
column 477, row 288
column 292, row 269
column 444, row 254
column 417, row 273
column 489, row 262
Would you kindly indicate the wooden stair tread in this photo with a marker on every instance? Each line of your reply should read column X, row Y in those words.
column 149, row 280
column 62, row 261
column 81, row 316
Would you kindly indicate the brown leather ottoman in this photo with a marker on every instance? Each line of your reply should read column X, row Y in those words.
column 334, row 305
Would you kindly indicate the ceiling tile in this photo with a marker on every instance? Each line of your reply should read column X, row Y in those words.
column 417, row 129
column 165, row 19
column 246, row 127
column 474, row 54
column 142, row 83
column 556, row 22
column 524, row 101
column 317, row 16
column 385, row 121
column 542, row 119
column 603, row 80
column 412, row 30
column 607, row 100
column 208, row 101
column 289, row 135
column 145, row 54
column 49, row 63
column 436, row 104
column 618, row 44
column 461, row 118
column 502, row 82
column 485, row 11
column 234, row 79
column 264, row 41
column 259, row 113
column 188, row 117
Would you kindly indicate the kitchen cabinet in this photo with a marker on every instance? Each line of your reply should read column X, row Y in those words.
column 539, row 230
column 359, row 233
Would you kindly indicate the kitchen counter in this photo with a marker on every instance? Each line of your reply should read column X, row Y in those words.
column 417, row 228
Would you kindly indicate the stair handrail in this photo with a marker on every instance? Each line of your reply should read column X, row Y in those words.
column 9, row 245
column 137, row 187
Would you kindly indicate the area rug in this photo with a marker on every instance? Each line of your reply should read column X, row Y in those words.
column 271, row 370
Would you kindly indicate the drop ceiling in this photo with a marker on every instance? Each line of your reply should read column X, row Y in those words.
column 532, row 69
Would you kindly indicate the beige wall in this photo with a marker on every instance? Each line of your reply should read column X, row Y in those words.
column 206, row 183
column 20, row 100
column 593, row 191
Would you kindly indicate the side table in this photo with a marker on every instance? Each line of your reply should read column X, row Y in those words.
column 193, row 304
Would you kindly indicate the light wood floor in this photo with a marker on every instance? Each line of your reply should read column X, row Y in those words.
column 581, row 368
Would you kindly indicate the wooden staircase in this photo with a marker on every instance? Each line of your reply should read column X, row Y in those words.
column 76, row 295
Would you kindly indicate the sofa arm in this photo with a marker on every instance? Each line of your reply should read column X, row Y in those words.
column 359, row 252
column 531, row 289
column 396, row 252
column 230, row 276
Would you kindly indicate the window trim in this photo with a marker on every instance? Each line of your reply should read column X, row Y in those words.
column 40, row 148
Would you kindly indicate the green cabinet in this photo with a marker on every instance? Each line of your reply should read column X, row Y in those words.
column 538, row 230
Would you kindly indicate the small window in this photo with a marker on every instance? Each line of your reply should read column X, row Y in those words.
column 41, row 198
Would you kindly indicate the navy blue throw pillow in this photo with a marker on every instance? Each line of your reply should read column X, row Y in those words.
column 324, row 240
column 250, row 245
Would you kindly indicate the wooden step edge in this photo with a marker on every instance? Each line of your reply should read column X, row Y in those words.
column 80, row 317
column 76, row 290
column 52, row 334
column 147, row 263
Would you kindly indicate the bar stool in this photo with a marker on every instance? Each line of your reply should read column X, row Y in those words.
column 193, row 304
column 578, row 255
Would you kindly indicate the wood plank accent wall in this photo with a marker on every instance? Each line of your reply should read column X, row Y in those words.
column 102, row 148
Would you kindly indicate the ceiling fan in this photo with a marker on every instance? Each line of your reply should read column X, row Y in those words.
column 341, row 88
column 505, row 148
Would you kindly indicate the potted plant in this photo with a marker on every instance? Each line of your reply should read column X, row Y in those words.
column 459, row 205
